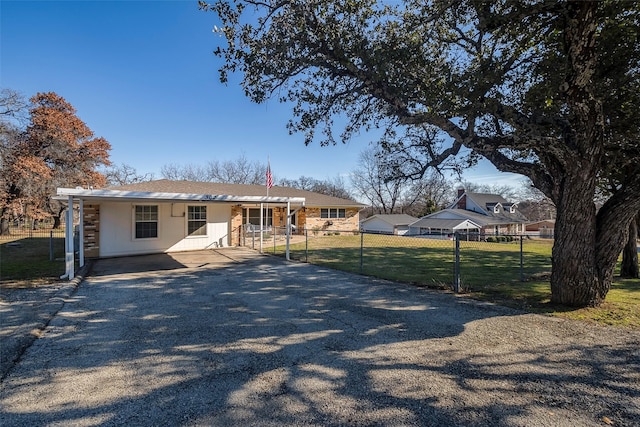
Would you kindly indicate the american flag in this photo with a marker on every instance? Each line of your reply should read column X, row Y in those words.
column 269, row 177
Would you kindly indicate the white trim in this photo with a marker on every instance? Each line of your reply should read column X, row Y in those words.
column 142, row 195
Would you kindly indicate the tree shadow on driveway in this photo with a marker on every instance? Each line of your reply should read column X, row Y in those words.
column 265, row 342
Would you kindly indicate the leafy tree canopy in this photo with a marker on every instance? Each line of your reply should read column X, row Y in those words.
column 544, row 89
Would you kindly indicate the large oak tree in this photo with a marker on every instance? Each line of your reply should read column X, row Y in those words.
column 57, row 149
column 538, row 88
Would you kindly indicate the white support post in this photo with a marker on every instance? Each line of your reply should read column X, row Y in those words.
column 261, row 225
column 69, row 256
column 288, row 229
column 81, row 235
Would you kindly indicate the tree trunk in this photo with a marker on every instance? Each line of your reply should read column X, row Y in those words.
column 56, row 221
column 4, row 227
column 574, row 273
column 629, row 268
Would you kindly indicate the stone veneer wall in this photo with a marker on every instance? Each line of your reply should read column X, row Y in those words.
column 236, row 225
column 91, row 219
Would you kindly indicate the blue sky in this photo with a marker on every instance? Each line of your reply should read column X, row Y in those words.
column 142, row 74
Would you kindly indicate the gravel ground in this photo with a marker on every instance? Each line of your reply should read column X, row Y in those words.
column 263, row 342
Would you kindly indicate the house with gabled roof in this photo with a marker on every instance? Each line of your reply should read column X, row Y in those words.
column 166, row 216
column 488, row 214
column 397, row 224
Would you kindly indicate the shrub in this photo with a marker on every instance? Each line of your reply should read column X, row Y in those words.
column 491, row 239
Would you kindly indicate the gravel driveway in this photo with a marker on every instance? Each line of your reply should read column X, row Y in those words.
column 259, row 341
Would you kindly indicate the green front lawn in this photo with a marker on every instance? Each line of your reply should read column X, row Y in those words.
column 26, row 261
column 488, row 271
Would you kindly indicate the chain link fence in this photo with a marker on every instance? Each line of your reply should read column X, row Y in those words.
column 461, row 262
column 23, row 241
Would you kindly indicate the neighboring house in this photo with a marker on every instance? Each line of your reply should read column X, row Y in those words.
column 444, row 222
column 397, row 224
column 543, row 228
column 167, row 216
column 476, row 213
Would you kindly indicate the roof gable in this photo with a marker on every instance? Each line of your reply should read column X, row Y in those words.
column 481, row 219
column 490, row 205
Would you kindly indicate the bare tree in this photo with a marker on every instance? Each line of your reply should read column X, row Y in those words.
column 335, row 187
column 238, row 171
column 125, row 174
column 429, row 194
column 373, row 181
column 187, row 172
column 14, row 107
column 534, row 204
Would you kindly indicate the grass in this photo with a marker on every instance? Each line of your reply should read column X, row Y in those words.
column 24, row 261
column 489, row 271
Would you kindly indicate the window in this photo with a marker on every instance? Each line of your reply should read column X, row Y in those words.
column 252, row 216
column 146, row 221
column 196, row 220
column 332, row 213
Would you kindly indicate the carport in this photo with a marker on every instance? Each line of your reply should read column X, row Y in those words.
column 119, row 221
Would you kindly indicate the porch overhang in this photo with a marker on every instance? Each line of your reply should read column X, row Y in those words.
column 119, row 195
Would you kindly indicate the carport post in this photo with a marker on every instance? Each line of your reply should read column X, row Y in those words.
column 81, row 235
column 68, row 255
column 261, row 225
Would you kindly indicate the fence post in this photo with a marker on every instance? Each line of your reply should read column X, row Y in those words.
column 51, row 246
column 521, row 260
column 306, row 244
column 361, row 252
column 456, row 267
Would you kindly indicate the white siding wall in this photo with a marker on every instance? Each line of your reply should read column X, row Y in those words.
column 117, row 229
column 402, row 230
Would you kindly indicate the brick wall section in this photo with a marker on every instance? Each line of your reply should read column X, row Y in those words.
column 236, row 225
column 91, row 219
column 350, row 223
column 279, row 217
